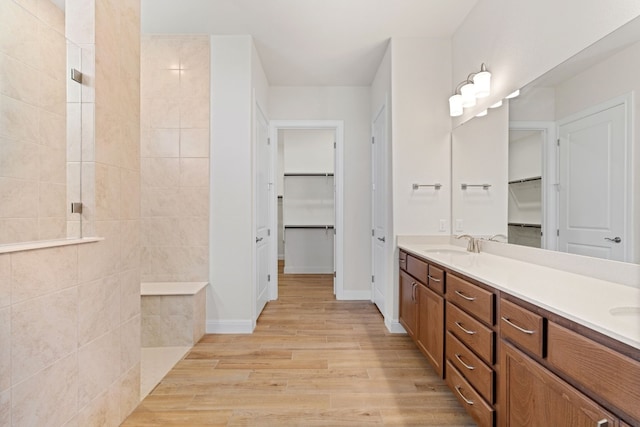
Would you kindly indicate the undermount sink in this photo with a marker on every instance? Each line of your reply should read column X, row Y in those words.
column 446, row 252
column 625, row 311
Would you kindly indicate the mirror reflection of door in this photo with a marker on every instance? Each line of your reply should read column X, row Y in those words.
column 592, row 195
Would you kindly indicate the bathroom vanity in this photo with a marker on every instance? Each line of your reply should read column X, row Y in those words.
column 521, row 344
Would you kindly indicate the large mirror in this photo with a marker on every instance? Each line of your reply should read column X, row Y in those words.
column 571, row 158
column 40, row 124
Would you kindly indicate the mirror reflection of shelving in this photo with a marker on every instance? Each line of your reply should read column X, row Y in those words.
column 525, row 187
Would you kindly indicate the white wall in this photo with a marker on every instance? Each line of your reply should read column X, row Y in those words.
column 229, row 303
column 480, row 150
column 352, row 105
column 421, row 149
column 308, row 150
column 521, row 40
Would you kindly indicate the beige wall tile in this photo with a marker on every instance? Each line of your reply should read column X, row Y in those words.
column 161, row 83
column 53, row 94
column 194, row 112
column 74, row 132
column 199, row 315
column 98, row 366
column 52, row 130
column 88, row 69
column 5, row 280
column 194, row 231
column 5, row 408
column 34, row 403
column 130, row 338
column 100, row 259
column 53, row 52
column 19, row 33
column 131, row 146
column 19, row 159
column 165, row 114
column 18, row 198
column 5, row 349
column 104, row 410
column 108, row 134
column 129, row 391
column 160, row 172
column 88, row 132
column 17, row 80
column 161, row 231
column 167, row 260
column 51, row 15
column 194, row 142
column 160, row 53
column 130, row 244
column 52, row 228
column 197, row 198
column 35, row 273
column 98, row 308
column 53, row 165
column 195, row 53
column 17, row 118
column 107, row 192
column 129, row 295
column 194, row 172
column 160, row 143
column 129, row 194
column 159, row 202
column 53, row 198
column 18, row 230
column 43, row 330
column 194, row 83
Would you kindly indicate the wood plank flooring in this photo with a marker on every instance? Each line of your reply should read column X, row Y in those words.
column 312, row 361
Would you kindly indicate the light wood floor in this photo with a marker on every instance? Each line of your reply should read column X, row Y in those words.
column 312, row 361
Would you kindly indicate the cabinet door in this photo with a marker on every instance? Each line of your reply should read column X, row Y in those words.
column 533, row 396
column 408, row 303
column 430, row 338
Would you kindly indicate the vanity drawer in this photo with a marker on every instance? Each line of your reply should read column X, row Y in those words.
column 613, row 376
column 471, row 298
column 471, row 333
column 469, row 398
column 436, row 279
column 471, row 367
column 522, row 327
column 402, row 260
column 417, row 268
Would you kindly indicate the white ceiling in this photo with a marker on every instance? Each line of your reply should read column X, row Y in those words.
column 311, row 42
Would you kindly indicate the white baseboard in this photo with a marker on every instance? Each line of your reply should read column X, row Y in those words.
column 229, row 327
column 394, row 327
column 354, row 296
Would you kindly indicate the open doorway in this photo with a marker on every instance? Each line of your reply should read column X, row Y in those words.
column 309, row 186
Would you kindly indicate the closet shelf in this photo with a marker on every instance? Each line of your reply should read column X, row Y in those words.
column 324, row 227
column 520, row 181
column 519, row 224
column 325, row 174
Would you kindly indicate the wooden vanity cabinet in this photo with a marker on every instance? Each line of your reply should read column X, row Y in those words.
column 422, row 308
column 408, row 303
column 533, row 396
column 430, row 338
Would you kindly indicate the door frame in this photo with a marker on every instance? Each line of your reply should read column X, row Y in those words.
column 627, row 101
column 549, row 178
column 338, row 127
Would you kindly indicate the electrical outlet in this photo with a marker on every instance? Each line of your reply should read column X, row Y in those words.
column 459, row 225
column 443, row 225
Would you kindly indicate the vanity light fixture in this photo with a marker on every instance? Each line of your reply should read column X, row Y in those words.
column 497, row 104
column 477, row 85
column 482, row 113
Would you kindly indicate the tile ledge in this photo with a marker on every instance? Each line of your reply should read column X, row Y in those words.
column 43, row 244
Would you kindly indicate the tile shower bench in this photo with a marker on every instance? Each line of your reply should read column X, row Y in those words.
column 173, row 313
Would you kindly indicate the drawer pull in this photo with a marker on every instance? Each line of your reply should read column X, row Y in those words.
column 464, row 296
column 433, row 278
column 466, row 331
column 469, row 367
column 510, row 323
column 467, row 401
column 413, row 291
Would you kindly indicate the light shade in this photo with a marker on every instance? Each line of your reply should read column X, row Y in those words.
column 468, row 92
column 497, row 104
column 482, row 83
column 482, row 113
column 513, row 94
column 455, row 105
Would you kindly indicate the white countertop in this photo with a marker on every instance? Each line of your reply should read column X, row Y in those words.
column 582, row 299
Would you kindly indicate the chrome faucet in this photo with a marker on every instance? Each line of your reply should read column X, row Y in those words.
column 494, row 238
column 473, row 245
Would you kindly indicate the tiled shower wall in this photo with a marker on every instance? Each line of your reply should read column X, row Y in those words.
column 175, row 158
column 70, row 316
column 33, row 144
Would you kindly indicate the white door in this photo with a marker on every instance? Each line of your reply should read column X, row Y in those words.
column 592, row 170
column 379, row 220
column 263, row 198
